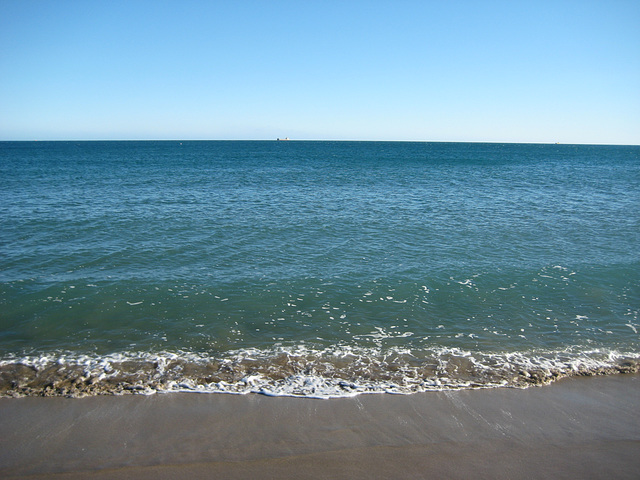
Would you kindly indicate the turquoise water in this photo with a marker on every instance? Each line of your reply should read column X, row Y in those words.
column 314, row 268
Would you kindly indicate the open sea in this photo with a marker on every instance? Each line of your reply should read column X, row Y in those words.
column 316, row 269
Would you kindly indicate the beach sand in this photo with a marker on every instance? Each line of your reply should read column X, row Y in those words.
column 586, row 427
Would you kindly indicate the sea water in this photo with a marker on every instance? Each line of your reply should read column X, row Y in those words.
column 316, row 269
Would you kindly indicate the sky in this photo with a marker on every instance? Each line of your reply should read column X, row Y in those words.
column 477, row 71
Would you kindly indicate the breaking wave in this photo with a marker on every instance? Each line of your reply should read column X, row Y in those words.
column 300, row 371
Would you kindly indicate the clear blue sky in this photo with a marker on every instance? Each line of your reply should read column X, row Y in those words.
column 513, row 71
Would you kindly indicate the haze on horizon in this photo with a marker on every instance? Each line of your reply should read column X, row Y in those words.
column 493, row 71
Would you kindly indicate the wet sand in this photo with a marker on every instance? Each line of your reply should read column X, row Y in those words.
column 575, row 428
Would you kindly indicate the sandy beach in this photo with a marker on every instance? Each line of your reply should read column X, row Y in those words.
column 575, row 428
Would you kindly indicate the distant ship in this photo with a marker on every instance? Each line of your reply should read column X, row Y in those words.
column 282, row 139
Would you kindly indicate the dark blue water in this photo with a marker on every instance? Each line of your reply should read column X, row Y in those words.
column 314, row 268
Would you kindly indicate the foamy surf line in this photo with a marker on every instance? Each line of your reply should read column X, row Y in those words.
column 300, row 372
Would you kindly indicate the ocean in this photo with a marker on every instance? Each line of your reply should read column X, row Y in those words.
column 315, row 269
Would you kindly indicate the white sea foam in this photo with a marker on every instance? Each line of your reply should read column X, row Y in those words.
column 337, row 371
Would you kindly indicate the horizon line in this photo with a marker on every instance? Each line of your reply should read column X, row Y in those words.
column 285, row 140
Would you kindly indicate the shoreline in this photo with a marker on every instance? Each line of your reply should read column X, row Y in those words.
column 575, row 428
column 335, row 373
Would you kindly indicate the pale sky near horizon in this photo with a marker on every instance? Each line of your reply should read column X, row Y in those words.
column 495, row 71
